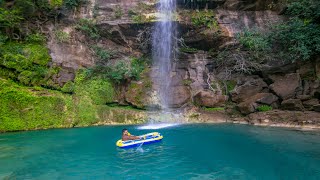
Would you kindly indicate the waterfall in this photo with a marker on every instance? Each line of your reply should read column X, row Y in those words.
column 163, row 43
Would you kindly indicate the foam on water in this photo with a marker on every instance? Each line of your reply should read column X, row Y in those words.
column 158, row 126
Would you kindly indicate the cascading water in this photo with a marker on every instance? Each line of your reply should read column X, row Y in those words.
column 163, row 50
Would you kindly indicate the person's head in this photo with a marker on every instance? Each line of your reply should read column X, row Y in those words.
column 124, row 131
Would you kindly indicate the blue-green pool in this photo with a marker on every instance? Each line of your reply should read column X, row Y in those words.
column 199, row 151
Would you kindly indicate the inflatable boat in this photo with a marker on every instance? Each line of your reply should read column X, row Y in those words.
column 144, row 139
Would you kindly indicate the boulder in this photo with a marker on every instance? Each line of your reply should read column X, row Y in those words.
column 247, row 87
column 292, row 105
column 287, row 86
column 304, row 97
column 65, row 75
column 267, row 98
column 180, row 96
column 247, row 107
column 251, row 104
column 310, row 103
column 209, row 99
column 138, row 94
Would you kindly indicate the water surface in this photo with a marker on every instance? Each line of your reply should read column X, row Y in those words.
column 199, row 151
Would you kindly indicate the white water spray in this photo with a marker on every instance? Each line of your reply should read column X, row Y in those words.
column 163, row 50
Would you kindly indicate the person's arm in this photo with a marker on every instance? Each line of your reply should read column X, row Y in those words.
column 126, row 138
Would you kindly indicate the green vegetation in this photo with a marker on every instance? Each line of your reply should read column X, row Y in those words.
column 56, row 3
column 61, row 36
column 25, row 108
column 123, row 72
column 140, row 18
column 140, row 13
column 74, row 3
column 98, row 89
column 118, row 13
column 30, row 96
column 228, row 86
column 213, row 109
column 68, row 87
column 187, row 82
column 204, row 18
column 36, row 38
column 297, row 39
column 88, row 27
column 102, row 54
column 28, row 61
column 188, row 50
column 264, row 108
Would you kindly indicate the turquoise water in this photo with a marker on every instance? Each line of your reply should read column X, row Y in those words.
column 187, row 152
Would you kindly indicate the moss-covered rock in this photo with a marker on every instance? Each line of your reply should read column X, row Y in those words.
column 23, row 108
column 138, row 93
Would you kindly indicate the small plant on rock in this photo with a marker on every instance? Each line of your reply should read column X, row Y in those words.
column 62, row 36
column 264, row 108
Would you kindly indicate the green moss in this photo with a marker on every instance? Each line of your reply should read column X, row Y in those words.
column 264, row 108
column 187, row 82
column 22, row 109
column 213, row 108
column 56, row 3
column 230, row 85
column 100, row 90
column 68, row 87
column 188, row 50
column 141, row 18
column 28, row 62
column 62, row 36
column 204, row 18
column 89, row 28
column 118, row 13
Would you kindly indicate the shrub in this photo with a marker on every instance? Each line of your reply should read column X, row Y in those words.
column 74, row 3
column 131, row 13
column 118, row 13
column 123, row 71
column 253, row 40
column 62, row 36
column 213, row 108
column 102, row 54
column 188, row 50
column 56, row 3
column 100, row 90
column 296, row 39
column 36, row 38
column 204, row 18
column 88, row 27
column 264, row 108
column 28, row 61
column 68, row 87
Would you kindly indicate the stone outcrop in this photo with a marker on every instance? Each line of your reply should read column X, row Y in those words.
column 283, row 118
column 287, row 86
column 252, row 103
column 209, row 99
column 309, row 104
column 247, row 87
column 180, row 96
column 292, row 104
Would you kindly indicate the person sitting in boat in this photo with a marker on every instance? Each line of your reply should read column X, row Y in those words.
column 127, row 136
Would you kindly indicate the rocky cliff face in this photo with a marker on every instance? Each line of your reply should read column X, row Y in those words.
column 198, row 80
